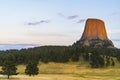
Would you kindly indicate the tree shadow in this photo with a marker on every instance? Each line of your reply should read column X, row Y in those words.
column 11, row 78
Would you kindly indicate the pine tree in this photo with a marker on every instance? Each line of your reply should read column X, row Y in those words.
column 113, row 63
column 8, row 67
column 31, row 68
column 107, row 61
column 96, row 61
column 75, row 57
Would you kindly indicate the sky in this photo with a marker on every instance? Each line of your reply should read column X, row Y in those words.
column 55, row 22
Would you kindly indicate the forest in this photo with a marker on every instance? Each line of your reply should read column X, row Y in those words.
column 97, row 57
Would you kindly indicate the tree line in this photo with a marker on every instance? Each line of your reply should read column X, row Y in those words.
column 97, row 57
column 55, row 54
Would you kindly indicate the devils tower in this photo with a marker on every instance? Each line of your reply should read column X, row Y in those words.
column 94, row 35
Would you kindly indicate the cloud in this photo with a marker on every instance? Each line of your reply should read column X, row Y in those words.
column 114, row 32
column 68, row 17
column 60, row 14
column 116, row 40
column 38, row 22
column 17, row 46
column 72, row 17
column 53, row 34
column 114, row 14
column 81, row 20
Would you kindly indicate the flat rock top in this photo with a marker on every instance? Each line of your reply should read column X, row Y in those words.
column 94, row 29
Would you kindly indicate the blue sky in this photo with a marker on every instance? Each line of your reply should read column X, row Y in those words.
column 55, row 22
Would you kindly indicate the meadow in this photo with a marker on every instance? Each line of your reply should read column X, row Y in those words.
column 68, row 71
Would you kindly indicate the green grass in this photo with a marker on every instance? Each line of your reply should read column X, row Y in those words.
column 70, row 71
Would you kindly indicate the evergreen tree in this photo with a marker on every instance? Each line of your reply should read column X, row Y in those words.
column 96, row 61
column 107, row 61
column 31, row 68
column 112, row 62
column 75, row 57
column 86, row 56
column 8, row 68
column 101, row 61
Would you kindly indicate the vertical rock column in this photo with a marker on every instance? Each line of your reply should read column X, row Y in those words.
column 94, row 35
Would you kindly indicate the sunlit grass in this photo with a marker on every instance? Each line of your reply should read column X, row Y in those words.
column 69, row 71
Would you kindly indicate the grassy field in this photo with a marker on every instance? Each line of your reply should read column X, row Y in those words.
column 68, row 71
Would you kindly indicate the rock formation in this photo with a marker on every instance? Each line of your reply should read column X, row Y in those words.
column 94, row 35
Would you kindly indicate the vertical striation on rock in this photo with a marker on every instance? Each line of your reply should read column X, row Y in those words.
column 94, row 29
column 94, row 35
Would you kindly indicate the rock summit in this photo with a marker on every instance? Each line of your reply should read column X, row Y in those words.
column 94, row 35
